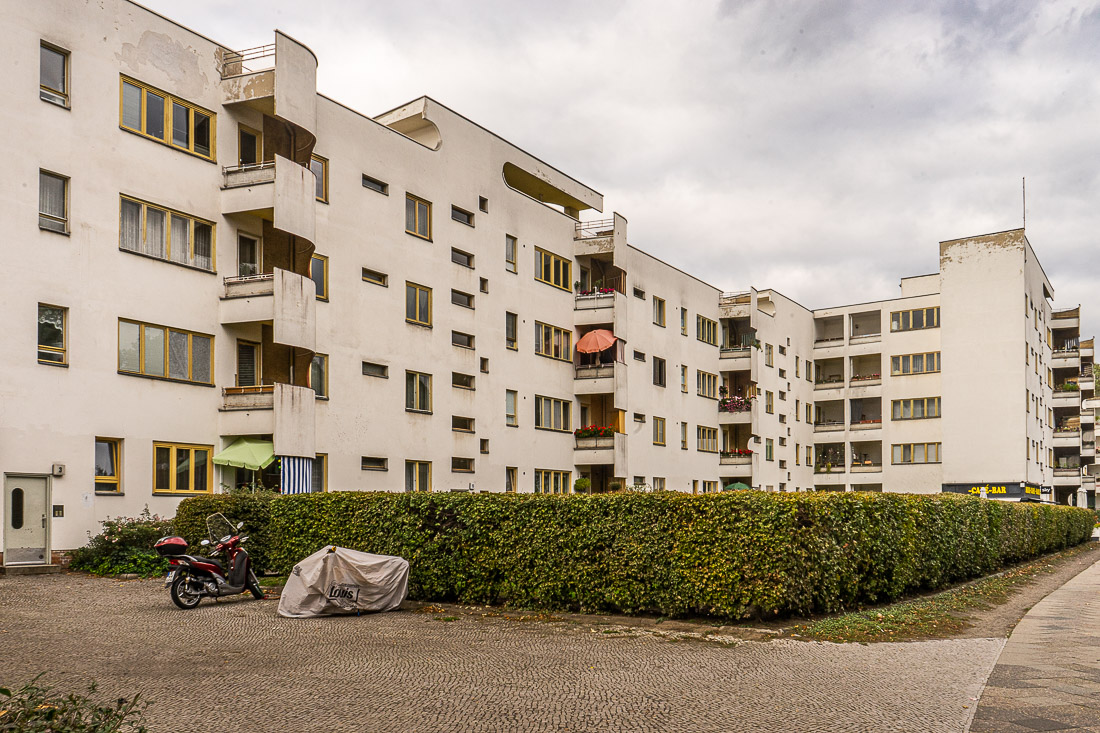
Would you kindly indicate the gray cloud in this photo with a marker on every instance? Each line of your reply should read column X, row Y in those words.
column 822, row 149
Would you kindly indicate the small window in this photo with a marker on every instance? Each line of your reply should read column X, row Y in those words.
column 53, row 202
column 371, row 369
column 462, row 465
column 318, row 272
column 418, row 392
column 684, row 321
column 659, row 371
column 464, row 340
column 782, row 373
column 659, row 311
column 318, row 375
column 376, row 185
column 107, row 465
column 510, row 408
column 639, row 356
column 376, row 277
column 484, row 365
column 639, row 293
column 250, row 146
column 374, row 463
column 462, row 258
column 463, row 299
column 319, row 477
column 782, row 350
column 485, row 446
column 658, row 431
column 318, row 166
column 418, row 304
column 418, row 217
column 462, row 424
column 484, row 285
column 462, row 381
column 418, row 476
column 53, row 75
column 639, row 417
column 510, row 479
column 483, row 204
column 52, row 334
column 248, row 255
column 509, row 253
column 511, row 331
column 462, row 216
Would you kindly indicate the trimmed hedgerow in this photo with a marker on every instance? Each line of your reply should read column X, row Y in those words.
column 727, row 555
column 252, row 509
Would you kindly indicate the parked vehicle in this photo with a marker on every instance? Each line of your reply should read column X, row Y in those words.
column 193, row 577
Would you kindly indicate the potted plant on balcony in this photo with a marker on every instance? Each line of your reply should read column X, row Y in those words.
column 590, row 435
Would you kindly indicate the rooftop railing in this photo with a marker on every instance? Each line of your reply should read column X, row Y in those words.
column 235, row 63
column 594, row 229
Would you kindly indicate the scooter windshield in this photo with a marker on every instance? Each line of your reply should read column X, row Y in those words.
column 220, row 528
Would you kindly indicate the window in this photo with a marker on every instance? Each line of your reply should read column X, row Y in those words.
column 318, row 273
column 168, row 353
column 769, row 358
column 683, row 378
column 463, row 299
column 659, row 371
column 167, row 119
column 511, row 329
column 684, row 321
column 418, row 476
column 706, row 330
column 797, row 454
column 248, row 255
column 484, row 285
column 658, row 431
column 462, row 258
column 552, row 482
column 639, row 293
column 706, row 384
column 554, row 342
column 376, row 185
column 915, row 453
column 510, row 479
column 371, row 369
column 659, row 311
column 53, row 334
column 182, row 469
column 318, row 375
column 915, row 363
column 418, row 217
column 107, row 465
column 509, row 253
column 639, row 356
column 915, row 409
column 462, row 381
column 53, row 202
column 463, row 340
column 769, row 402
column 462, row 216
column 782, row 417
column 916, row 319
column 418, row 304
column 658, row 483
column 809, row 412
column 375, row 463
column 250, row 146
column 707, row 439
column 797, row 408
column 769, row 450
column 782, row 442
column 796, row 367
column 483, row 204
column 165, row 234
column 484, row 445
column 318, row 166
column 53, row 75
column 783, row 373
column 553, row 414
column 783, row 395
column 553, row 270
column 319, row 479
column 710, row 487
column 639, row 417
column 418, row 392
column 485, row 365
column 376, row 277
column 783, row 349
column 510, row 408
column 683, row 436
column 809, row 455
column 462, row 465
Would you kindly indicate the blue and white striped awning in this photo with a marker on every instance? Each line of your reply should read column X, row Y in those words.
column 295, row 475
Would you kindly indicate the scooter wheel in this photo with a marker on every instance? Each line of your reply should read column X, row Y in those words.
column 254, row 586
column 182, row 595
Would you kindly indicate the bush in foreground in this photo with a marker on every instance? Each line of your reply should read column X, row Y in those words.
column 727, row 555
column 125, row 546
column 34, row 708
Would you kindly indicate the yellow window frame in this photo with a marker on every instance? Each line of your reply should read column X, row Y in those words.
column 167, row 330
column 551, row 481
column 544, row 413
column 419, row 318
column 322, row 395
column 323, row 458
column 67, row 56
column 417, row 488
column 560, row 340
column 322, row 293
column 64, row 350
column 418, row 219
column 706, row 330
column 111, row 484
column 659, row 311
column 322, row 179
column 168, row 214
column 659, row 431
column 169, row 100
column 553, row 269
column 241, row 130
column 418, row 391
column 173, row 450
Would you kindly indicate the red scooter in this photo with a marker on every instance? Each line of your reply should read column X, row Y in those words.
column 193, row 577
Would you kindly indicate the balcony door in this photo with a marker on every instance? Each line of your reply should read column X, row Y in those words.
column 248, row 364
column 248, row 255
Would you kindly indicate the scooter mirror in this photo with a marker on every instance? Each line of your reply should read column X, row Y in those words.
column 204, row 543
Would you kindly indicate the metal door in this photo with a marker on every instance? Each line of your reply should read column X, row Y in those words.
column 26, row 520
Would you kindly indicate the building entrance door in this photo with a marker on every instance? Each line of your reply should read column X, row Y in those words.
column 26, row 520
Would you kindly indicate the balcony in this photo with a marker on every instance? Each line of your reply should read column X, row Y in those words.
column 868, row 424
column 596, row 451
column 832, row 381
column 1066, row 395
column 735, row 465
column 1067, row 437
column 1065, row 356
column 734, row 411
column 865, row 467
column 277, row 79
column 735, row 359
column 284, row 299
column 827, row 341
column 1067, row 318
column 597, row 308
column 1067, row 476
column 864, row 380
column 829, row 426
column 602, row 237
column 598, row 379
column 282, row 410
column 260, row 397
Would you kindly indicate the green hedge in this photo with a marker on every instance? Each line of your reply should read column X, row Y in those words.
column 252, row 509
column 726, row 555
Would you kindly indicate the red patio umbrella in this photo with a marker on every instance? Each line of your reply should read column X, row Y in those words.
column 596, row 341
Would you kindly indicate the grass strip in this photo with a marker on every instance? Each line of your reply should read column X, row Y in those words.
column 935, row 616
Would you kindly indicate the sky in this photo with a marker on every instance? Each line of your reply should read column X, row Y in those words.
column 822, row 149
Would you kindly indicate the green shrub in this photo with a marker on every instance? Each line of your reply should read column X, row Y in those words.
column 252, row 509
column 37, row 709
column 727, row 555
column 125, row 546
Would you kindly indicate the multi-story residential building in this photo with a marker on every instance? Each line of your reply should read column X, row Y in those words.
column 236, row 280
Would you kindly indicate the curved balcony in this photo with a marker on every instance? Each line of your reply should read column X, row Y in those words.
column 283, row 411
column 286, row 300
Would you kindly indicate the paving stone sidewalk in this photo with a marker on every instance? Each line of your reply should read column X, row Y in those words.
column 1048, row 675
column 253, row 670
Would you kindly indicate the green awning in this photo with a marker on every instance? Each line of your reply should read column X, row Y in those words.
column 251, row 453
column 730, row 487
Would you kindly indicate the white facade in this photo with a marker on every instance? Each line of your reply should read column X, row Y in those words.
column 130, row 361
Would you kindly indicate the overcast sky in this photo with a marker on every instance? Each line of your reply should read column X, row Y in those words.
column 818, row 148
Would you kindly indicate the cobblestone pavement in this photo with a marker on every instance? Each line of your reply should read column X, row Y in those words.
column 1048, row 675
column 237, row 666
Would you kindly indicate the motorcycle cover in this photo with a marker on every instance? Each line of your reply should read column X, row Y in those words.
column 337, row 580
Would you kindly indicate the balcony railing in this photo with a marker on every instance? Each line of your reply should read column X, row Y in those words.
column 866, row 424
column 1067, row 471
column 260, row 396
column 828, row 340
column 604, row 442
column 248, row 175
column 734, row 404
column 593, row 301
column 835, row 380
column 734, row 458
column 594, row 229
column 235, row 63
column 826, row 425
column 865, row 466
column 857, row 378
column 250, row 285
column 593, row 371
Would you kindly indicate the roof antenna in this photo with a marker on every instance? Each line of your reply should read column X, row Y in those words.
column 1023, row 182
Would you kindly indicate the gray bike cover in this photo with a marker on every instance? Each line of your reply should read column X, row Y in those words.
column 337, row 580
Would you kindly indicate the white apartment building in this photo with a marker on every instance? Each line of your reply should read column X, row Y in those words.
column 232, row 278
